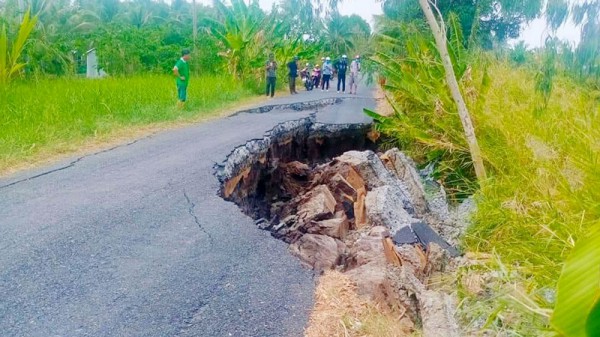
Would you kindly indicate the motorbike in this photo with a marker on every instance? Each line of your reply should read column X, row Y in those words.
column 306, row 79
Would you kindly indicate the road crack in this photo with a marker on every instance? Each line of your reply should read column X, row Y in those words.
column 193, row 214
column 72, row 163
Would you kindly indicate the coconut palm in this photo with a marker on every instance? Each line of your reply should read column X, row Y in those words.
column 240, row 30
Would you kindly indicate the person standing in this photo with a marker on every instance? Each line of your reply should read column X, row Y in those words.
column 354, row 70
column 321, row 73
column 271, row 68
column 342, row 66
column 305, row 77
column 181, row 70
column 293, row 68
column 327, row 71
column 316, row 77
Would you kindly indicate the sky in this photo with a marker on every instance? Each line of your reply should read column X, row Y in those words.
column 533, row 34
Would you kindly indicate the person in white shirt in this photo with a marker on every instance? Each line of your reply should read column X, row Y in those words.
column 327, row 72
column 354, row 70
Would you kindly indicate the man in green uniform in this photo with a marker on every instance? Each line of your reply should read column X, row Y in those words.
column 182, row 72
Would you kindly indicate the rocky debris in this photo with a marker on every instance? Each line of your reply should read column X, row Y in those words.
column 370, row 167
column 294, row 177
column 337, row 227
column 371, row 216
column 318, row 204
column 383, row 208
column 273, row 168
column 404, row 169
column 436, row 309
column 365, row 247
column 319, row 252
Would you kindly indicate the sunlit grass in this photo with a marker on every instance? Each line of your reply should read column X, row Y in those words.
column 56, row 115
column 543, row 195
column 545, row 190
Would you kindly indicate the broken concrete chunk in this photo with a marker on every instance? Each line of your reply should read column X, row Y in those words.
column 414, row 257
column 319, row 205
column 435, row 195
column 367, row 248
column 336, row 228
column 437, row 313
column 341, row 188
column 375, row 175
column 360, row 213
column 368, row 166
column 319, row 252
column 325, row 173
column 436, row 309
column 437, row 258
column 404, row 169
column 384, row 208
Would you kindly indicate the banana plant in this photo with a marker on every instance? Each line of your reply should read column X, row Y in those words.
column 10, row 66
column 577, row 310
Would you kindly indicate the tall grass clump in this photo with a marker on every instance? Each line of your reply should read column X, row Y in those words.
column 425, row 121
column 544, row 194
column 49, row 116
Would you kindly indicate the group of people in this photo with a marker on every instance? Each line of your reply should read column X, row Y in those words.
column 312, row 78
column 316, row 76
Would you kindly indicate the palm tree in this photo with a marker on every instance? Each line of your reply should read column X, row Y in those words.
column 240, row 29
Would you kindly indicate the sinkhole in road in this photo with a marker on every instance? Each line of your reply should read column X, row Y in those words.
column 343, row 205
column 268, row 172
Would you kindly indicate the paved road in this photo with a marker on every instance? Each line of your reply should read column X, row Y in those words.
column 134, row 241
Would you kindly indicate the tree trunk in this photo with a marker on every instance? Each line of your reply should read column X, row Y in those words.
column 439, row 33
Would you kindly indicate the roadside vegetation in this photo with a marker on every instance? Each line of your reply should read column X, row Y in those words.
column 53, row 116
column 48, row 107
column 536, row 118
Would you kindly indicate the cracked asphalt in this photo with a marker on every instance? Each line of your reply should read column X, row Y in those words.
column 134, row 241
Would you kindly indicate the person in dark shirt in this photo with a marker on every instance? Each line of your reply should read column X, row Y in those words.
column 341, row 68
column 293, row 67
column 271, row 68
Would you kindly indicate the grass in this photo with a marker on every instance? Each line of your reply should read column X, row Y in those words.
column 45, row 118
column 340, row 311
column 543, row 194
column 545, row 191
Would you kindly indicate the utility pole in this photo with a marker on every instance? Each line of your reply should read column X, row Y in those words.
column 194, row 23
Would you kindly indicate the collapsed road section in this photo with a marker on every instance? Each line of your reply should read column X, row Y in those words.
column 340, row 204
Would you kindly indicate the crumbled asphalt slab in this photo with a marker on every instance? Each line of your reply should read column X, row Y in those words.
column 421, row 233
column 117, row 244
column 297, row 106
